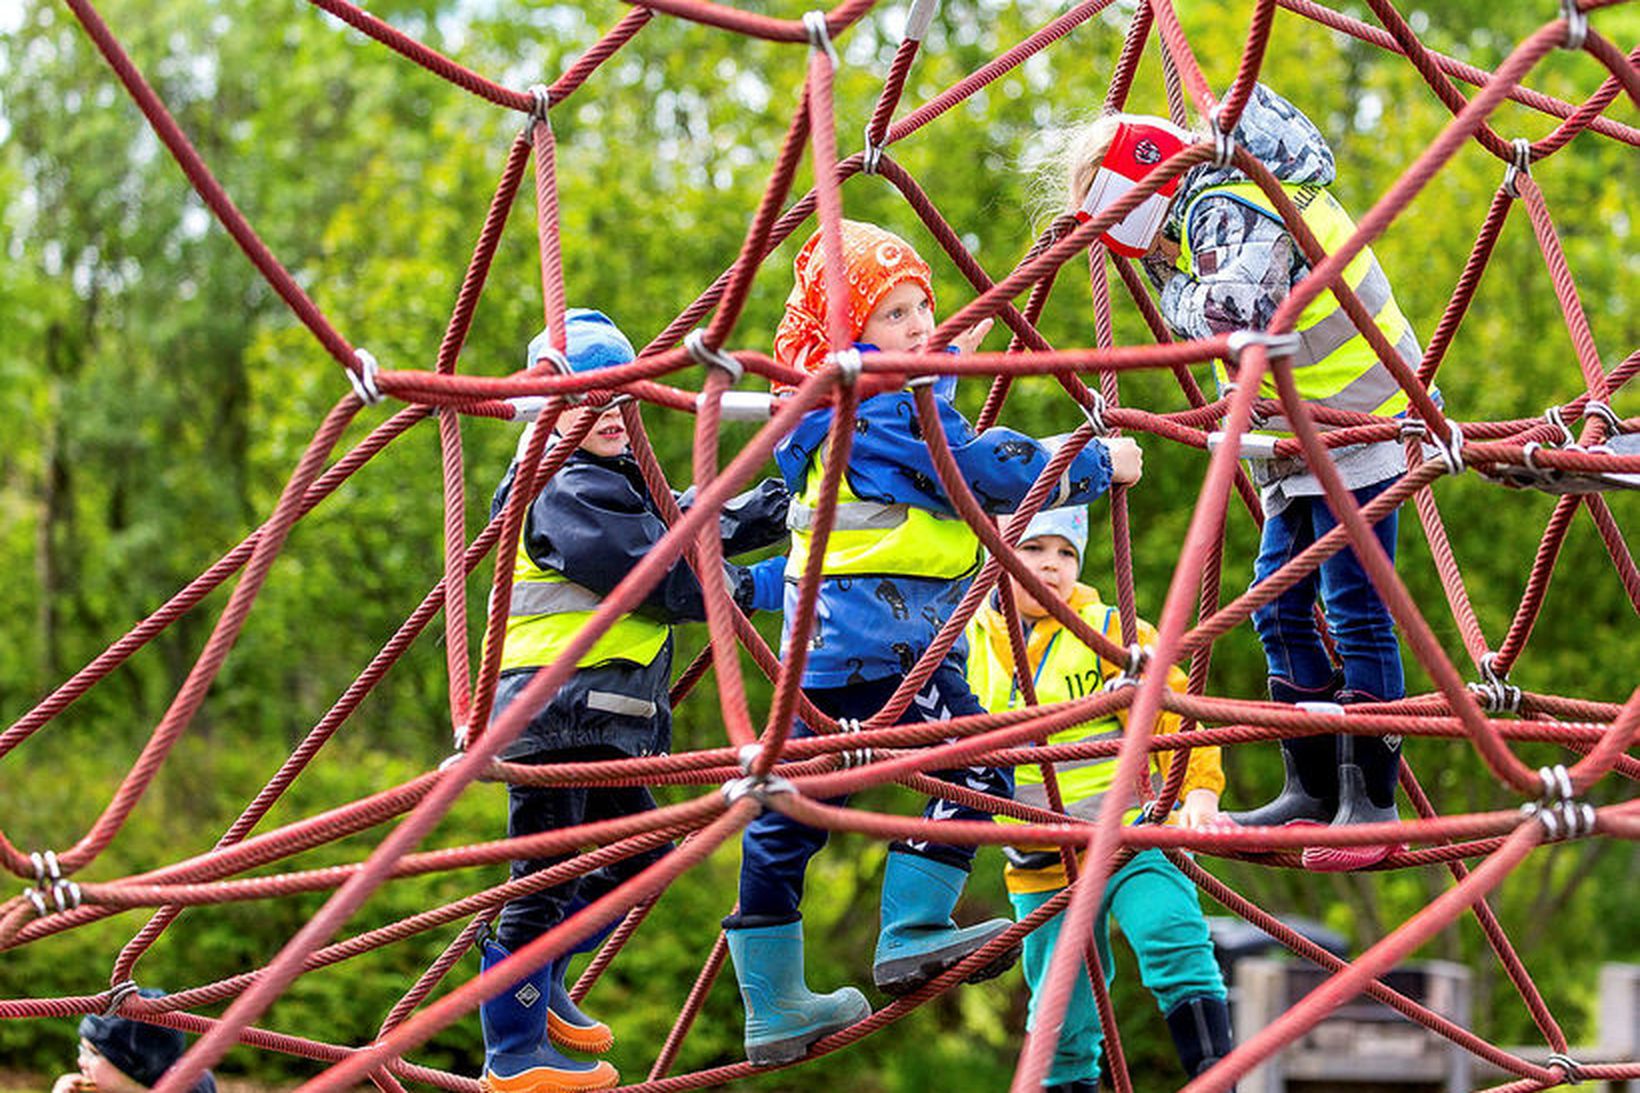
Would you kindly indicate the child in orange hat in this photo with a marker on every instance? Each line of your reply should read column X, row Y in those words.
column 897, row 563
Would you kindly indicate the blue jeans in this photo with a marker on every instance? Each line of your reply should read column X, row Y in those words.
column 1360, row 623
column 775, row 849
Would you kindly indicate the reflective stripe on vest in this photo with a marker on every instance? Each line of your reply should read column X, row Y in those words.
column 548, row 610
column 875, row 537
column 1068, row 670
column 1335, row 366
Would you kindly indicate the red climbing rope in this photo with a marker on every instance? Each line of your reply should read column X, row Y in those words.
column 1488, row 713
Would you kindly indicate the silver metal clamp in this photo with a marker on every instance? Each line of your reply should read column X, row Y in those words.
column 1276, row 345
column 820, row 35
column 707, row 357
column 848, row 362
column 1577, row 24
column 1495, row 690
column 364, row 380
column 1520, row 165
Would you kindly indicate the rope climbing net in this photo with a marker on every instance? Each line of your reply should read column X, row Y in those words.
column 761, row 765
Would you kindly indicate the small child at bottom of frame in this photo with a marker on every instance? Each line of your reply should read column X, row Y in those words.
column 122, row 1055
column 588, row 526
column 1156, row 905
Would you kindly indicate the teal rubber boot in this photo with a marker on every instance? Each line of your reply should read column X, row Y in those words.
column 784, row 1017
column 517, row 1057
column 918, row 940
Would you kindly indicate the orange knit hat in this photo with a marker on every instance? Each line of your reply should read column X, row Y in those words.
column 875, row 262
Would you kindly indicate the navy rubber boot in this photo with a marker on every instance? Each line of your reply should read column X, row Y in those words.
column 784, row 1017
column 1201, row 1033
column 918, row 939
column 1309, row 792
column 567, row 1026
column 517, row 1057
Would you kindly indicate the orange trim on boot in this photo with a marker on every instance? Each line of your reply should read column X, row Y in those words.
column 545, row 1079
column 594, row 1039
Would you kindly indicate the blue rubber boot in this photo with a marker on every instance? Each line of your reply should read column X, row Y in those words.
column 517, row 1058
column 567, row 1026
column 784, row 1017
column 918, row 940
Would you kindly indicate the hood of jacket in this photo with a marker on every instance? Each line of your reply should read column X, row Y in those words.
column 1279, row 136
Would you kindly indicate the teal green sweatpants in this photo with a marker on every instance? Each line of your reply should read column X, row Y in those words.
column 1161, row 916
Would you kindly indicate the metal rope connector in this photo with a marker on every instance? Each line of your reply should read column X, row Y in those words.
column 707, row 357
column 1556, row 416
column 848, row 362
column 364, row 380
column 1494, row 689
column 555, row 357
column 1224, row 144
column 49, row 881
column 1577, row 24
column 1253, row 445
column 820, row 35
column 1602, row 410
column 919, row 19
column 1521, row 165
column 760, row 789
column 1451, row 449
column 118, row 993
column 857, row 757
column 1276, row 345
column 1094, row 411
column 1138, row 657
column 1570, row 1067
column 1561, row 815
column 543, row 103
column 873, row 157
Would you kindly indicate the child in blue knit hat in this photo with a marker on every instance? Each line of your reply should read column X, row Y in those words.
column 588, row 526
column 121, row 1055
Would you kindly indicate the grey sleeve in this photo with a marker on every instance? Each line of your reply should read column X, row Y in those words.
column 1243, row 264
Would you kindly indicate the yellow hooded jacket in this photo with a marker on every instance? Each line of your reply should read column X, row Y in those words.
column 1064, row 669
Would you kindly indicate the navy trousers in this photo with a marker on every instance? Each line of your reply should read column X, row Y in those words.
column 534, row 809
column 775, row 850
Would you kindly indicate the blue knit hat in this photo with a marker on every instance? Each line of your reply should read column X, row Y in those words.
column 1069, row 523
column 140, row 1051
column 592, row 341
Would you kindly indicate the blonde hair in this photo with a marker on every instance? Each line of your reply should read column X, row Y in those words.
column 1074, row 153
column 1084, row 149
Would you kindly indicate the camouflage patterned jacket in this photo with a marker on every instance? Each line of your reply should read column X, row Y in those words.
column 1245, row 263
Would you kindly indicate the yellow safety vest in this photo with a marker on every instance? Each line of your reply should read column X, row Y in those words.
column 1066, row 670
column 1334, row 366
column 548, row 610
column 877, row 537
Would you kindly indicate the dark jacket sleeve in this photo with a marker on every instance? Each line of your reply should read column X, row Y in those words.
column 753, row 520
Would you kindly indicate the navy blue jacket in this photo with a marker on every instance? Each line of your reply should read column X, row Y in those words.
column 594, row 521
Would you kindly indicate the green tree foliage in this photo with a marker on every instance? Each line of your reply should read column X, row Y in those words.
column 159, row 394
